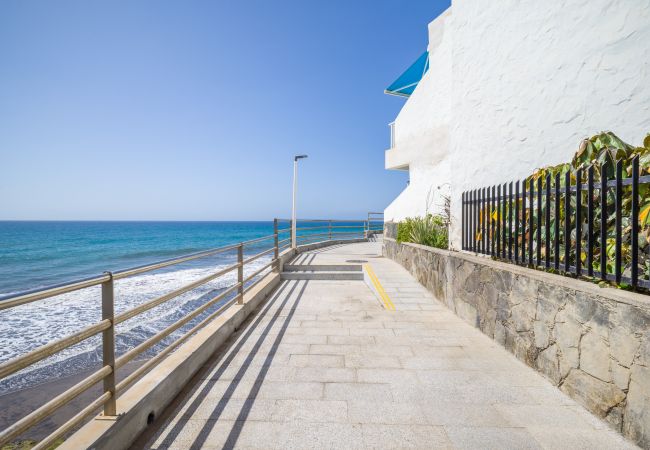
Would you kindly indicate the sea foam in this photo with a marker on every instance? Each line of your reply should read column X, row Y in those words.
column 27, row 327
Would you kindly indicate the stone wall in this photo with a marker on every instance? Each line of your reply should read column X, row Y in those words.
column 592, row 342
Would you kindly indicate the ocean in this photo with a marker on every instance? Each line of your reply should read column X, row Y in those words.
column 37, row 254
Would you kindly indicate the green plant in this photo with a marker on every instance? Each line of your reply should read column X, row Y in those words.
column 430, row 230
column 601, row 149
column 404, row 230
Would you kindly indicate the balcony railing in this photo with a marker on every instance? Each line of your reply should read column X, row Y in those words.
column 392, row 134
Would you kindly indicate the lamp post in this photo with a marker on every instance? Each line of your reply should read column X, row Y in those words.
column 293, row 199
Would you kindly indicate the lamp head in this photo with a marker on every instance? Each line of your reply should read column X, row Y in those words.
column 297, row 157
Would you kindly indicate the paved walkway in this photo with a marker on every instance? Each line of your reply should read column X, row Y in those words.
column 324, row 365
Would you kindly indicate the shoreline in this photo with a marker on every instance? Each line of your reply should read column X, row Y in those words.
column 17, row 404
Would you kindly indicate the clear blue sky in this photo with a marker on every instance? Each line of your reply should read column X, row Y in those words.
column 192, row 110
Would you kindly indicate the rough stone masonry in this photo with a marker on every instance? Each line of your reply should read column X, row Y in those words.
column 592, row 342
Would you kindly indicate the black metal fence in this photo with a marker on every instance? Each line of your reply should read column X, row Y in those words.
column 568, row 222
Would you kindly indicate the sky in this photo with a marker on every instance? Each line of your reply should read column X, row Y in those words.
column 193, row 110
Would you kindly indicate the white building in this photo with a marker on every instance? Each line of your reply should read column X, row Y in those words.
column 514, row 85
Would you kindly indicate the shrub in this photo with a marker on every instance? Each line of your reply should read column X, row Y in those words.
column 404, row 230
column 601, row 149
column 429, row 230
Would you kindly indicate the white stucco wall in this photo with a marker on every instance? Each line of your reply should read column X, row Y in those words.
column 531, row 79
column 422, row 132
column 517, row 84
column 423, row 194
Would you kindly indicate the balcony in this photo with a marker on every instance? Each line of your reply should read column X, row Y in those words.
column 396, row 158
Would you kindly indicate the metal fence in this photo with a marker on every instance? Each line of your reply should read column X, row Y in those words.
column 375, row 223
column 308, row 231
column 580, row 225
column 314, row 230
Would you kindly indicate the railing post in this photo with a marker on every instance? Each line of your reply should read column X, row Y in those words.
column 108, row 344
column 567, row 222
column 578, row 228
column 329, row 229
column 367, row 233
column 240, row 274
column 618, row 221
column 275, row 239
column 634, row 221
column 604, row 214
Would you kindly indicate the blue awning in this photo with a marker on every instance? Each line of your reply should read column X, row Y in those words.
column 408, row 81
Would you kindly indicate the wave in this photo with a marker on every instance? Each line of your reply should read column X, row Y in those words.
column 29, row 326
column 160, row 253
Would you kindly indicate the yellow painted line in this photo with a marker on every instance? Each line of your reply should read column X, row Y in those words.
column 388, row 304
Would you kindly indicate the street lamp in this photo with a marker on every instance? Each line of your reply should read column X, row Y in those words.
column 293, row 199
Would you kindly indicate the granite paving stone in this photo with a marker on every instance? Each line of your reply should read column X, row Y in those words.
column 322, row 364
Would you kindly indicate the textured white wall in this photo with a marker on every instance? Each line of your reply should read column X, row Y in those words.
column 532, row 78
column 424, row 193
column 422, row 131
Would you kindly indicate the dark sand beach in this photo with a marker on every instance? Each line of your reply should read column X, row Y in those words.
column 16, row 405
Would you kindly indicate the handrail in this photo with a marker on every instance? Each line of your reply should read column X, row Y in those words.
column 254, row 283
column 332, row 229
column 14, row 365
column 162, row 299
column 144, row 368
column 308, row 236
column 171, row 262
column 359, row 231
column 73, row 422
column 311, row 228
column 263, row 238
column 257, row 256
column 332, row 226
column 373, row 218
column 128, row 356
column 64, row 398
column 324, row 220
column 258, row 271
column 20, row 298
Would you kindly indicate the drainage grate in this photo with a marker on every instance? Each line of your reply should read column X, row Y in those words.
column 356, row 261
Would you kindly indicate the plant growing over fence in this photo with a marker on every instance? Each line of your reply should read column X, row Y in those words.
column 595, row 158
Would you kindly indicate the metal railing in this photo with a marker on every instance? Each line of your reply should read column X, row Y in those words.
column 333, row 229
column 576, row 228
column 374, row 223
column 314, row 230
column 392, row 134
column 309, row 233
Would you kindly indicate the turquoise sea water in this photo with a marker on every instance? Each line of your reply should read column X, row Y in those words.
column 37, row 254
column 34, row 254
